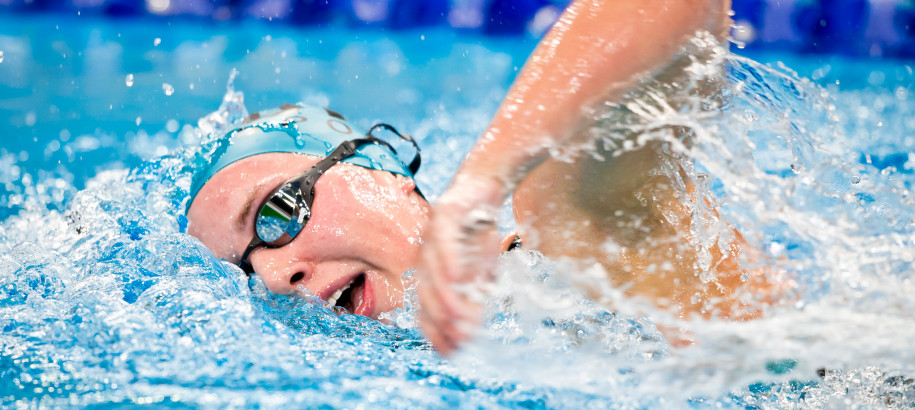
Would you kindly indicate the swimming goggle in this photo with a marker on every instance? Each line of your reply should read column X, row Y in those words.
column 287, row 210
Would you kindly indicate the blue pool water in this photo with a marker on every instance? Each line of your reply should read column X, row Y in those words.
column 104, row 301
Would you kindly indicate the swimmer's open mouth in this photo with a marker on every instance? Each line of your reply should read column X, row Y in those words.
column 350, row 296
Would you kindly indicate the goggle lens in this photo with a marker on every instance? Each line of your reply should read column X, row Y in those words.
column 281, row 218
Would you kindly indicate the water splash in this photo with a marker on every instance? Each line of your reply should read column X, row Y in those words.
column 300, row 141
column 769, row 153
column 103, row 300
column 230, row 111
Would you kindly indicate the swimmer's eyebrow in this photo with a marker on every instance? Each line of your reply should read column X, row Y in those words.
column 241, row 221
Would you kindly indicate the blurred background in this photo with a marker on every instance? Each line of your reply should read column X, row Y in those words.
column 90, row 85
column 872, row 28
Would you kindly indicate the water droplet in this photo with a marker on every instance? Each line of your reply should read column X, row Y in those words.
column 139, row 120
column 168, row 89
column 1, row 56
column 299, row 142
column 855, row 179
column 171, row 125
column 157, row 41
column 129, row 80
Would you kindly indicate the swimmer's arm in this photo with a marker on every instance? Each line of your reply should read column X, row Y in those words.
column 596, row 51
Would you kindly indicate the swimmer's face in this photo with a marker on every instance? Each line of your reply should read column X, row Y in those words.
column 364, row 231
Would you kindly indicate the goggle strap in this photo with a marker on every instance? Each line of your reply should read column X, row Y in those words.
column 245, row 263
column 345, row 150
column 415, row 163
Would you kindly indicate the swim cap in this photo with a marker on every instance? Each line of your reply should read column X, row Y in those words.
column 298, row 129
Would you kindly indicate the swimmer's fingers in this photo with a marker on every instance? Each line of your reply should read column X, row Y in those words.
column 458, row 254
column 441, row 306
column 434, row 322
column 444, row 345
column 436, row 303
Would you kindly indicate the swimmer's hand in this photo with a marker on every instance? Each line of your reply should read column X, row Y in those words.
column 458, row 260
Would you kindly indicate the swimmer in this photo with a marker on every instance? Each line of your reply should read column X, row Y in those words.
column 306, row 200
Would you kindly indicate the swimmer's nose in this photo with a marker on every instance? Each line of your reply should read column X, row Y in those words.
column 288, row 278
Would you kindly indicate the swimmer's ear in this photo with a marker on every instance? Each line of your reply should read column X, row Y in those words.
column 510, row 242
